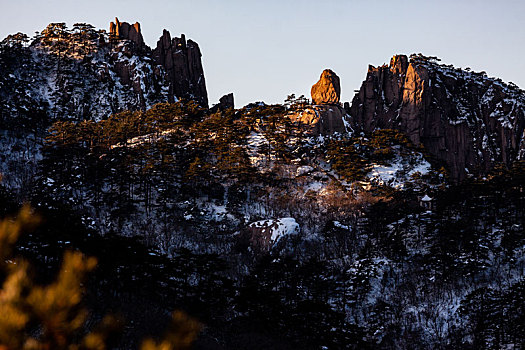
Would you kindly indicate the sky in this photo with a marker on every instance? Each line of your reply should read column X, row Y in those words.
column 267, row 49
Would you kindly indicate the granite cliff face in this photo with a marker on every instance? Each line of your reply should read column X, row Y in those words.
column 327, row 90
column 465, row 120
column 181, row 60
column 83, row 73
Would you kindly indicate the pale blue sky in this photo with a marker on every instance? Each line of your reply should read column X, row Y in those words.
column 267, row 49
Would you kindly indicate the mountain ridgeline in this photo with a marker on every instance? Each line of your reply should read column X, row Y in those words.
column 466, row 120
column 83, row 73
column 395, row 221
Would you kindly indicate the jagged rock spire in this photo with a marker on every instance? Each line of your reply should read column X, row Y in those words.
column 182, row 61
column 180, row 58
column 124, row 30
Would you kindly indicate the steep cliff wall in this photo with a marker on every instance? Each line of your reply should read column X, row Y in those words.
column 181, row 60
column 464, row 119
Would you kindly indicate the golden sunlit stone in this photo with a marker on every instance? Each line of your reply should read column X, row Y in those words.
column 327, row 90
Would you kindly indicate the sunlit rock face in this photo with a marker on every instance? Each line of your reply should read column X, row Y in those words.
column 465, row 120
column 325, row 116
column 321, row 119
column 126, row 31
column 327, row 90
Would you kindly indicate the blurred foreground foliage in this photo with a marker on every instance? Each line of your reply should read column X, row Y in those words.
column 53, row 316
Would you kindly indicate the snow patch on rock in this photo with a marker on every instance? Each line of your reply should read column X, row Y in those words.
column 277, row 228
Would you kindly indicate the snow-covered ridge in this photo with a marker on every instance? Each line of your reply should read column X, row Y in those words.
column 504, row 109
column 84, row 73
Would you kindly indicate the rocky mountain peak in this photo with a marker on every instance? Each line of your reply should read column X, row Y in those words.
column 327, row 90
column 85, row 73
column 181, row 60
column 326, row 116
column 465, row 120
column 399, row 64
column 126, row 31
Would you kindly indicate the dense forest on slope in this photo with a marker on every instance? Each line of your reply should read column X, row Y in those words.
column 371, row 263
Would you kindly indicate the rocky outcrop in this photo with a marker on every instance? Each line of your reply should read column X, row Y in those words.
column 225, row 102
column 327, row 90
column 325, row 116
column 465, row 120
column 181, row 60
column 262, row 236
column 321, row 119
column 90, row 74
column 126, row 31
